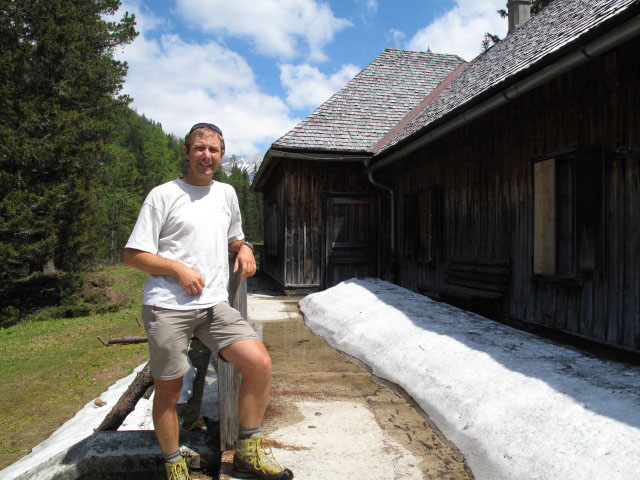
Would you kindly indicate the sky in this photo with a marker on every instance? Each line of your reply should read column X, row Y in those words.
column 516, row 405
column 256, row 68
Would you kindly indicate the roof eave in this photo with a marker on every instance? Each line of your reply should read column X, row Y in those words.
column 593, row 43
column 274, row 153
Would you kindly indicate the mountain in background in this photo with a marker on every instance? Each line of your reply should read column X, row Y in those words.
column 246, row 164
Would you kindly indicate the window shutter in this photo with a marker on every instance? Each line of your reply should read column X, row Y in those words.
column 544, row 218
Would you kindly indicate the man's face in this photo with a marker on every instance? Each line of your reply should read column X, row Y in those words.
column 204, row 158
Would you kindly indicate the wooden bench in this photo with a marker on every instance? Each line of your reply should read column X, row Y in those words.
column 474, row 284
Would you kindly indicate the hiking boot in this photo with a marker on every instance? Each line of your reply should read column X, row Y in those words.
column 177, row 471
column 254, row 459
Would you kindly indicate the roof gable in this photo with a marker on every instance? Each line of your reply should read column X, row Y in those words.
column 559, row 25
column 363, row 112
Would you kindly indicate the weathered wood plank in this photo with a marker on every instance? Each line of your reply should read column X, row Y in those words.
column 544, row 180
column 229, row 378
column 615, row 251
column 573, row 296
column 631, row 320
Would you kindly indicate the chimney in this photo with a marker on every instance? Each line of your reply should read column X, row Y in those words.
column 519, row 13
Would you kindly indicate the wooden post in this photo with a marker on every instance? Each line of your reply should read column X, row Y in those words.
column 228, row 377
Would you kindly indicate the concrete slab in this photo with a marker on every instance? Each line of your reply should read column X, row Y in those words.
column 262, row 308
column 133, row 455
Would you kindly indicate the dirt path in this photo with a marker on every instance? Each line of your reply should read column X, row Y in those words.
column 328, row 416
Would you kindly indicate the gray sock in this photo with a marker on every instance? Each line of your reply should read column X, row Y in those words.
column 247, row 432
column 174, row 457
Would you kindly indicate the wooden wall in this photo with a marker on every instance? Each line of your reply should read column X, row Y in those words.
column 274, row 209
column 484, row 173
column 298, row 197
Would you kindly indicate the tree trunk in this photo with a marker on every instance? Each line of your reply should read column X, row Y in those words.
column 129, row 339
column 128, row 400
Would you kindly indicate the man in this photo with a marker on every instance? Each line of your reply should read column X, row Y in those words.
column 181, row 238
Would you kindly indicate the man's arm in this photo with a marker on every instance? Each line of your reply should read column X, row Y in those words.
column 244, row 258
column 147, row 262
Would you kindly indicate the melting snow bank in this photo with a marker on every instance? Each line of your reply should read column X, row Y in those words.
column 516, row 405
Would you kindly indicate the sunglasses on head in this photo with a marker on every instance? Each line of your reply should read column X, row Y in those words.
column 202, row 125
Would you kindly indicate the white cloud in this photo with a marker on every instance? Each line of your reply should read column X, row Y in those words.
column 282, row 28
column 462, row 28
column 178, row 83
column 397, row 38
column 308, row 87
column 370, row 6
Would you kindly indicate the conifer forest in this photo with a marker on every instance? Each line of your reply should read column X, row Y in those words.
column 75, row 160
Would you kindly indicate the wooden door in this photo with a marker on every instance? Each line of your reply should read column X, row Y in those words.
column 350, row 238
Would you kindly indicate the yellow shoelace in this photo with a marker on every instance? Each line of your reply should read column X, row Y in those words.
column 178, row 471
column 264, row 459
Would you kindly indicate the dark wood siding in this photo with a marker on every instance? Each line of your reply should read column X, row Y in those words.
column 274, row 229
column 485, row 175
column 299, row 198
column 350, row 238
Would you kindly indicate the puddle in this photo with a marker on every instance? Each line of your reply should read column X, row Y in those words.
column 306, row 369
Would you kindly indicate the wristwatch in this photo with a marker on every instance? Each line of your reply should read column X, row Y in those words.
column 244, row 242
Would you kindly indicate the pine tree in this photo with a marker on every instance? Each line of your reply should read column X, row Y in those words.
column 538, row 5
column 58, row 86
column 490, row 39
column 140, row 157
column 118, row 201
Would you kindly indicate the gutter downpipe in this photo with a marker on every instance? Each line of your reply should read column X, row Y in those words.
column 606, row 42
column 392, row 216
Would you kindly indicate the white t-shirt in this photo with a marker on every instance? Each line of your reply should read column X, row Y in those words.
column 193, row 225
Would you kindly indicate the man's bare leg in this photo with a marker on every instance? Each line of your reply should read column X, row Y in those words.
column 251, row 359
column 253, row 457
column 165, row 416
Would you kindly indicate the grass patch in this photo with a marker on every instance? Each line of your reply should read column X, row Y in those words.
column 52, row 367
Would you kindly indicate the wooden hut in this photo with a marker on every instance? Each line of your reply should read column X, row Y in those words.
column 516, row 186
column 523, row 177
column 321, row 211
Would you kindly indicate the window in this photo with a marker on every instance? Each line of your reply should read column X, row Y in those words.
column 554, row 216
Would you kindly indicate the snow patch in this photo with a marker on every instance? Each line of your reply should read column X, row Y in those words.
column 517, row 406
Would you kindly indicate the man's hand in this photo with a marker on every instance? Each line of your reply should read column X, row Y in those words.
column 244, row 259
column 190, row 280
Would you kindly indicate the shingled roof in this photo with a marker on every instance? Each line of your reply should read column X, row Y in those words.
column 372, row 103
column 545, row 37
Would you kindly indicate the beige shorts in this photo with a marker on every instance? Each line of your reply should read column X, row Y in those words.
column 169, row 333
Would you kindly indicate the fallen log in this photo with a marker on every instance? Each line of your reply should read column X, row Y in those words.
column 128, row 339
column 124, row 340
column 128, row 400
column 148, row 393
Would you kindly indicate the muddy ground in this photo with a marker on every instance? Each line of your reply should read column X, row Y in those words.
column 307, row 370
